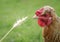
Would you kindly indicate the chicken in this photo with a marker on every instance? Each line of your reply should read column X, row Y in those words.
column 50, row 22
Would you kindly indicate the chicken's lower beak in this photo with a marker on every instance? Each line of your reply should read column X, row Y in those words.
column 35, row 17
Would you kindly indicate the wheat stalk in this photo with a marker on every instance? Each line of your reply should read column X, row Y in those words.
column 19, row 22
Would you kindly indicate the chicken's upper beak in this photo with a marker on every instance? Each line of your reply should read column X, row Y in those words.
column 35, row 17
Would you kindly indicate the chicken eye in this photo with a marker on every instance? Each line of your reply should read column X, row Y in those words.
column 44, row 15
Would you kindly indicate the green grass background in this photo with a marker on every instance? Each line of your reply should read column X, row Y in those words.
column 29, row 31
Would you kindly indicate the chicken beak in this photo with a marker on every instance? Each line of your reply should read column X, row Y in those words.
column 35, row 17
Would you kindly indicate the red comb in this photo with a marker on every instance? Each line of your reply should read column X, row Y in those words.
column 38, row 12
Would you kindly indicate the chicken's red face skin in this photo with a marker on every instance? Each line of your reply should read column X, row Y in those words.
column 44, row 20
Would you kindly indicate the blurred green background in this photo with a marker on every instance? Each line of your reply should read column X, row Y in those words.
column 29, row 31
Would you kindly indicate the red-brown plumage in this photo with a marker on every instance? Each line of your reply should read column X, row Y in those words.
column 50, row 23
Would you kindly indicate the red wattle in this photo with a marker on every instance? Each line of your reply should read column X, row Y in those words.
column 41, row 23
column 44, row 21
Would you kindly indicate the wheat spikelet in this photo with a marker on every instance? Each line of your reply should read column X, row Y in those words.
column 19, row 22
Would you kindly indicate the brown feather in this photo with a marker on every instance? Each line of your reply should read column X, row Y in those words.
column 51, row 33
